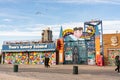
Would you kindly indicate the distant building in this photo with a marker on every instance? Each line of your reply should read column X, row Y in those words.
column 47, row 35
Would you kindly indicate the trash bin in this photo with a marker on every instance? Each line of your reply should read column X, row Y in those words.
column 75, row 69
column 15, row 68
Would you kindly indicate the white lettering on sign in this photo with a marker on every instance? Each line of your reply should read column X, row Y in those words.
column 13, row 47
column 25, row 47
column 40, row 46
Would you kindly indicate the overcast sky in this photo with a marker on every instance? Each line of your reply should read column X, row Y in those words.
column 25, row 19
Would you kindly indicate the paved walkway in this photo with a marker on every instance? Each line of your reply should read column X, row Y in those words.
column 58, row 72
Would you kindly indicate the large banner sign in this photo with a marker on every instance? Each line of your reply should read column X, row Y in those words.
column 29, row 47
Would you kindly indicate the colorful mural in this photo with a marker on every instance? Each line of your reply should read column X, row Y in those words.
column 68, row 54
column 28, row 53
column 16, row 58
column 60, row 49
column 34, row 58
column 74, row 47
column 75, row 52
column 111, row 56
column 91, row 58
column 88, row 43
column 94, row 42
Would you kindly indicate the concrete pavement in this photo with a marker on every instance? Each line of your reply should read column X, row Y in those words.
column 58, row 72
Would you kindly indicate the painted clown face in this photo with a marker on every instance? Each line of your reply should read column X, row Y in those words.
column 78, row 33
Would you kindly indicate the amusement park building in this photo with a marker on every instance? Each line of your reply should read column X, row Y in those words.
column 74, row 46
column 82, row 46
column 29, row 52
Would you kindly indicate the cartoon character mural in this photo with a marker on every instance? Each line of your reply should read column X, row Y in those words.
column 74, row 45
column 91, row 38
column 67, row 32
column 75, row 33
column 114, row 40
column 78, row 32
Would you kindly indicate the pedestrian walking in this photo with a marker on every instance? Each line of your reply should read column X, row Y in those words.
column 117, row 63
column 46, row 60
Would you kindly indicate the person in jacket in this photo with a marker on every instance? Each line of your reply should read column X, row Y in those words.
column 117, row 63
column 47, row 60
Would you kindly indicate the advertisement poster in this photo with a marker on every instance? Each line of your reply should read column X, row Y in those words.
column 68, row 55
column 91, row 58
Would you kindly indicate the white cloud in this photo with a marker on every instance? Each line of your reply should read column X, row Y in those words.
column 89, row 1
column 108, row 1
column 7, row 20
column 11, row 1
column 111, row 25
column 36, row 30
column 16, row 33
column 9, row 15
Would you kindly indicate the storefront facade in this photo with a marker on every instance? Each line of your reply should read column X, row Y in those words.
column 28, row 53
column 111, row 48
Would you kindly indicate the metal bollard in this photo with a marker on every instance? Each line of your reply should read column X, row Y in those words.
column 15, row 68
column 75, row 69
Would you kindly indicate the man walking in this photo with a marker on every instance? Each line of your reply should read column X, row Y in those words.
column 117, row 62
